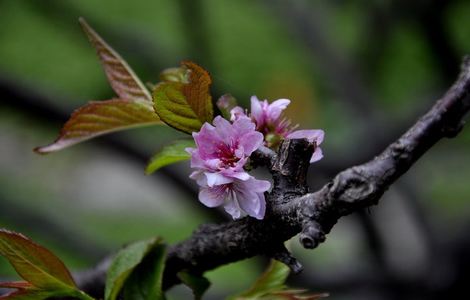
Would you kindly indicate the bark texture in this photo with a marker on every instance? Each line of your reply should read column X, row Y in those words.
column 292, row 209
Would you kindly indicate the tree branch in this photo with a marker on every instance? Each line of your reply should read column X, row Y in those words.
column 291, row 209
column 314, row 214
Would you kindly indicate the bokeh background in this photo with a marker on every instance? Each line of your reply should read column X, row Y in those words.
column 361, row 70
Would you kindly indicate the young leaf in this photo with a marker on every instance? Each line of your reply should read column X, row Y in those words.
column 101, row 117
column 145, row 282
column 197, row 91
column 26, row 291
column 273, row 279
column 34, row 263
column 133, row 108
column 46, row 276
column 271, row 285
column 122, row 78
column 184, row 101
column 198, row 284
column 169, row 154
column 128, row 260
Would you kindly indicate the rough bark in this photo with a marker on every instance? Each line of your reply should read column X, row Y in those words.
column 292, row 209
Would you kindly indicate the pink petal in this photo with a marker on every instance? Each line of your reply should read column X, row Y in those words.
column 275, row 109
column 317, row 155
column 242, row 126
column 232, row 207
column 214, row 179
column 199, row 177
column 212, row 197
column 252, row 203
column 196, row 160
column 251, row 142
column 224, row 129
column 257, row 112
column 255, row 185
column 206, row 140
column 236, row 113
column 243, row 176
column 311, row 135
column 250, row 195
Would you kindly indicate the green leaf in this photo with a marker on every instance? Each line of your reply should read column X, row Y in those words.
column 102, row 117
column 145, row 282
column 198, row 284
column 184, row 101
column 121, row 77
column 170, row 154
column 46, row 276
column 128, row 260
column 272, row 279
column 175, row 75
column 271, row 286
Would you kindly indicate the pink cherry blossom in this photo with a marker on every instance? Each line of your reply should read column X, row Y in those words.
column 225, row 147
column 238, row 197
column 221, row 153
column 313, row 136
column 267, row 115
column 269, row 121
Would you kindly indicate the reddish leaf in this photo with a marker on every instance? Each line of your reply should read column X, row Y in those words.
column 183, row 100
column 134, row 107
column 101, row 117
column 24, row 291
column 16, row 285
column 45, row 275
column 197, row 91
column 121, row 77
column 34, row 263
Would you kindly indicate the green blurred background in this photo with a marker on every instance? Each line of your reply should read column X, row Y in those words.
column 361, row 70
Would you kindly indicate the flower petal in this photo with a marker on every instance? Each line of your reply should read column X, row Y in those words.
column 232, row 207
column 317, row 155
column 212, row 197
column 243, row 176
column 224, row 129
column 199, row 177
column 312, row 135
column 206, row 140
column 275, row 109
column 252, row 203
column 251, row 142
column 214, row 179
column 236, row 113
column 250, row 195
column 257, row 112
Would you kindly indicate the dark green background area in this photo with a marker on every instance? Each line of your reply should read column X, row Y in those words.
column 360, row 70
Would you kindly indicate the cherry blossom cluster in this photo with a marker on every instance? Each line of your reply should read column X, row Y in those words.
column 223, row 150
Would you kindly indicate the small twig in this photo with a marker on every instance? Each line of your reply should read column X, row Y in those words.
column 292, row 210
column 314, row 214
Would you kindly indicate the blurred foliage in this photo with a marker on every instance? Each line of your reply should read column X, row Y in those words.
column 250, row 47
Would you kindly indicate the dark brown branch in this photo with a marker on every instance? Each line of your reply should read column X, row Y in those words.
column 291, row 209
column 314, row 214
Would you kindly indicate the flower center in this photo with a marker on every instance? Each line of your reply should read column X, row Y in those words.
column 226, row 153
